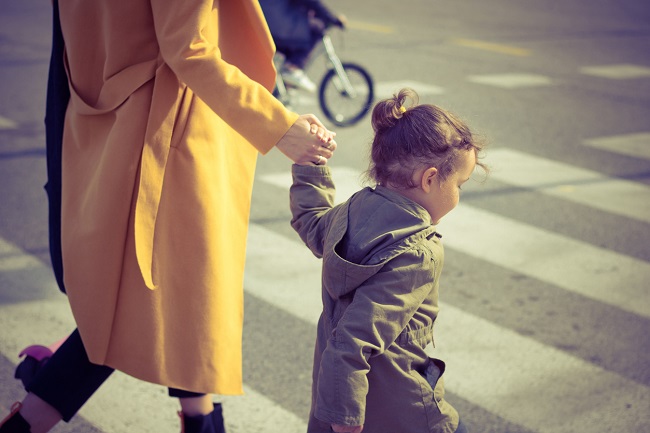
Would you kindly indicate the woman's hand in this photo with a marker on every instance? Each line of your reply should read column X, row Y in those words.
column 308, row 142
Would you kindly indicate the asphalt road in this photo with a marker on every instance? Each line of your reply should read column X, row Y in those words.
column 546, row 312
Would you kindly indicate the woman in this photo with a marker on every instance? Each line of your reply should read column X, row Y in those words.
column 169, row 107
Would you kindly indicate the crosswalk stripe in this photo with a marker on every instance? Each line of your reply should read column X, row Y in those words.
column 620, row 197
column 122, row 402
column 511, row 80
column 636, row 145
column 13, row 258
column 6, row 123
column 617, row 72
column 535, row 386
column 573, row 265
column 519, row 379
column 576, row 266
column 485, row 359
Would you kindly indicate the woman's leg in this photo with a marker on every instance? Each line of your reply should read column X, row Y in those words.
column 62, row 386
column 193, row 403
column 40, row 416
column 198, row 413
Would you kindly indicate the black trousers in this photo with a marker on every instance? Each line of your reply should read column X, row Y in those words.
column 69, row 379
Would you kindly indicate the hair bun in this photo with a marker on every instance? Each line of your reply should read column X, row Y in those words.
column 388, row 111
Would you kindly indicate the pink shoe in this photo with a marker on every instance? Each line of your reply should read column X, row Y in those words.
column 35, row 358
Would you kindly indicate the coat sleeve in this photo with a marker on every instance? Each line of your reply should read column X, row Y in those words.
column 186, row 33
column 380, row 310
column 311, row 202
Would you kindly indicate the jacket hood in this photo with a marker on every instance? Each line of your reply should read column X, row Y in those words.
column 372, row 227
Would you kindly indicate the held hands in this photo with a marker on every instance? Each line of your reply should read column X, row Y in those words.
column 308, row 142
column 338, row 428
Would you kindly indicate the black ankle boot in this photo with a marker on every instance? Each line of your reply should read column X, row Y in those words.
column 210, row 423
column 14, row 422
column 35, row 358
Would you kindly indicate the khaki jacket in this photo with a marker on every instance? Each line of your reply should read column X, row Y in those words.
column 382, row 260
column 170, row 106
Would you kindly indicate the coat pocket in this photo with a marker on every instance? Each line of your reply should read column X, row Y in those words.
column 432, row 394
column 432, row 374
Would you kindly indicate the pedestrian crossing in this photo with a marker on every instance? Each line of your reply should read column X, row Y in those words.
column 635, row 145
column 590, row 188
column 492, row 365
column 538, row 387
column 519, row 379
column 523, row 381
column 32, row 311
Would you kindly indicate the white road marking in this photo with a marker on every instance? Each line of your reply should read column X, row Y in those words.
column 13, row 258
column 636, row 145
column 611, row 278
column 512, row 80
column 617, row 72
column 573, row 265
column 517, row 378
column 7, row 123
column 122, row 402
column 590, row 188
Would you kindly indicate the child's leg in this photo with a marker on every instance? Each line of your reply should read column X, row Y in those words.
column 62, row 385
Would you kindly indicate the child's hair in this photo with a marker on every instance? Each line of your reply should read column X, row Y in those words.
column 411, row 137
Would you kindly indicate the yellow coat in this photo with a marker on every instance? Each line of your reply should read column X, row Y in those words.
column 169, row 109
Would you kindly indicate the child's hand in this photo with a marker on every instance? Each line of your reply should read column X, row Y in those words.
column 338, row 428
column 323, row 134
column 305, row 147
column 326, row 149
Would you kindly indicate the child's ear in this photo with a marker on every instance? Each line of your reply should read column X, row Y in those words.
column 429, row 176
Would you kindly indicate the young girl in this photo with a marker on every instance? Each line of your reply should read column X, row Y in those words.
column 382, row 259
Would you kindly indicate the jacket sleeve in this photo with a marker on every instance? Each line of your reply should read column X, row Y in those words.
column 380, row 310
column 311, row 202
column 184, row 30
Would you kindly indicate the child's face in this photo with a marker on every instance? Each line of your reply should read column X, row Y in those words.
column 443, row 195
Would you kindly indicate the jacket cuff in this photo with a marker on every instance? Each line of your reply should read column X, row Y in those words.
column 311, row 170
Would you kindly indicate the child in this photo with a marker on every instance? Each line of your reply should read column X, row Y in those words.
column 382, row 259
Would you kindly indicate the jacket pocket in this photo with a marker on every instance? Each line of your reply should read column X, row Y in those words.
column 432, row 392
column 432, row 375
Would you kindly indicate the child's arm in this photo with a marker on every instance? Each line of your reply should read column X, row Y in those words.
column 311, row 200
